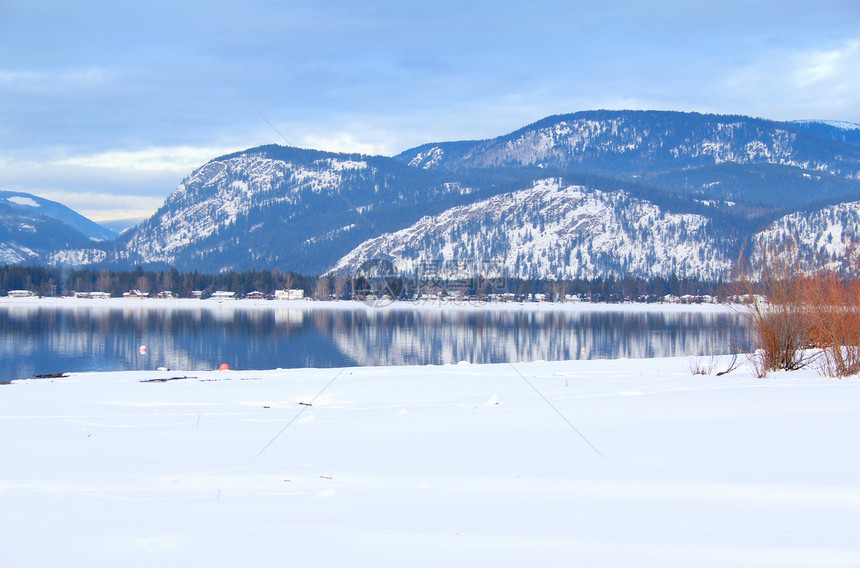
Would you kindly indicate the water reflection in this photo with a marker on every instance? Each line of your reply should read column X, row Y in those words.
column 42, row 340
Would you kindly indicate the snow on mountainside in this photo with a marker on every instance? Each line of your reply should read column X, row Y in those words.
column 841, row 124
column 838, row 124
column 827, row 237
column 286, row 207
column 31, row 227
column 215, row 195
column 76, row 257
column 833, row 129
column 27, row 205
column 13, row 253
column 552, row 230
column 650, row 144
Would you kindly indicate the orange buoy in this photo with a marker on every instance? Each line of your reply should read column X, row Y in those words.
column 224, row 367
column 143, row 349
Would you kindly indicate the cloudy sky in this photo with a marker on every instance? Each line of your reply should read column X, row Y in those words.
column 106, row 106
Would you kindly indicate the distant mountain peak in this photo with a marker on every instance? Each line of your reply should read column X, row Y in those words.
column 21, row 200
column 28, row 204
column 31, row 228
column 841, row 124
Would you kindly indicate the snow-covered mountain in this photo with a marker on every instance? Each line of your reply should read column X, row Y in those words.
column 839, row 130
column 586, row 194
column 827, row 237
column 31, row 227
column 709, row 156
column 553, row 230
column 637, row 141
column 31, row 205
column 224, row 192
column 276, row 206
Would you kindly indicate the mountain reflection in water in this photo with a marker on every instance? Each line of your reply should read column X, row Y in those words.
column 49, row 339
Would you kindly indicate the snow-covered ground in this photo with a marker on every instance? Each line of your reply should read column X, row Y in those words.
column 583, row 463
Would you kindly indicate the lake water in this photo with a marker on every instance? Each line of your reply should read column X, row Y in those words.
column 52, row 339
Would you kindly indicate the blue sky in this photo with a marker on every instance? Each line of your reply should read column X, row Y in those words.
column 106, row 106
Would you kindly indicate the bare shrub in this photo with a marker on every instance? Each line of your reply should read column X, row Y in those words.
column 712, row 364
column 699, row 367
column 834, row 320
column 775, row 311
column 799, row 316
column 715, row 364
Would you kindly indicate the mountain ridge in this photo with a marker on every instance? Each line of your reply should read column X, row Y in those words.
column 32, row 227
column 676, row 151
column 34, row 205
column 726, row 176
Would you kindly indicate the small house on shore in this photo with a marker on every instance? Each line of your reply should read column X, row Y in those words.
column 19, row 294
column 135, row 294
column 289, row 294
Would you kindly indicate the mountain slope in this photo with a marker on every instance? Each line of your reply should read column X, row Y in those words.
column 633, row 141
column 827, row 237
column 31, row 227
column 671, row 150
column 30, row 205
column 553, row 230
column 278, row 206
column 832, row 129
column 578, row 195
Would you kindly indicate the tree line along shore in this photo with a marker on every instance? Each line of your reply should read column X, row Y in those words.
column 52, row 282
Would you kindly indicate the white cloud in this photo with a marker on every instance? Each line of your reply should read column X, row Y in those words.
column 181, row 159
column 837, row 68
column 107, row 185
column 344, row 142
column 797, row 84
column 104, row 206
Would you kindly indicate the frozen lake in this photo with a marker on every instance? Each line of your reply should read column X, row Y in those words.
column 57, row 336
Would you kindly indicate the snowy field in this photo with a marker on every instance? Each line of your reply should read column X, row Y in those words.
column 587, row 463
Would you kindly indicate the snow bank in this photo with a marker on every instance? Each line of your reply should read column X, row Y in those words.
column 460, row 465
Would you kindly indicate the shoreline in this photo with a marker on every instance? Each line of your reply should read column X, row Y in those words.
column 306, row 304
